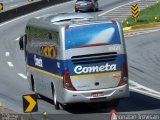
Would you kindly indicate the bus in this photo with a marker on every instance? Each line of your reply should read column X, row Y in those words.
column 76, row 58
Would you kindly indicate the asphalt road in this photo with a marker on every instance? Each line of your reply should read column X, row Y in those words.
column 143, row 59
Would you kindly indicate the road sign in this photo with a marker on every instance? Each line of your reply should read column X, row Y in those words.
column 134, row 10
column 30, row 103
column 1, row 6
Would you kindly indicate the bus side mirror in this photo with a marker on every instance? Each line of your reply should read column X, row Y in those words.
column 22, row 42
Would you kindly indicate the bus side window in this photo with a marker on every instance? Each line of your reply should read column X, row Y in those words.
column 50, row 36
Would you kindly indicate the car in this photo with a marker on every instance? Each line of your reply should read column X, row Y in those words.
column 86, row 5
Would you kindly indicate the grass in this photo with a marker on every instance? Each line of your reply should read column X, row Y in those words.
column 147, row 15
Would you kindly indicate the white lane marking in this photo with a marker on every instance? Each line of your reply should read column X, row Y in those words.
column 10, row 64
column 18, row 39
column 144, row 92
column 148, row 31
column 142, row 89
column 130, row 34
column 22, row 75
column 116, row 8
column 5, row 23
column 7, row 54
column 141, row 86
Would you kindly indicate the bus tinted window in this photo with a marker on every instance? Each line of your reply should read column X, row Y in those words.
column 79, row 36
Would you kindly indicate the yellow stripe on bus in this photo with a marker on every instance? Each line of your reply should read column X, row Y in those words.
column 75, row 76
column 98, row 74
column 45, row 72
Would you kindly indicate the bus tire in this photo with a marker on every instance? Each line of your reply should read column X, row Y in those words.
column 33, row 88
column 56, row 103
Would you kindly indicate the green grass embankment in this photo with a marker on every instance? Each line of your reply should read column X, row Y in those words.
column 150, row 14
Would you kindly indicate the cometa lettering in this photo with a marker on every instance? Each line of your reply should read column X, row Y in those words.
column 80, row 69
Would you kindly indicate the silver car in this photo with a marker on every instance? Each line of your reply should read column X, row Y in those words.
column 86, row 5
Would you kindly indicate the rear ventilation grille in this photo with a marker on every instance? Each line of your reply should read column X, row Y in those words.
column 94, row 58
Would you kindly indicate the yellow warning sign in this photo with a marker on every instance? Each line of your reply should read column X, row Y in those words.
column 30, row 103
column 135, row 10
column 1, row 6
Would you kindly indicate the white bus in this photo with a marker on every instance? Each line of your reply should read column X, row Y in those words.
column 74, row 58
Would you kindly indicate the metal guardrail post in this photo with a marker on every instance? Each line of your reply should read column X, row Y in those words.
column 1, row 6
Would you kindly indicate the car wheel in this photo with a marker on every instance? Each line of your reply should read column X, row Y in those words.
column 94, row 9
column 97, row 9
column 76, row 10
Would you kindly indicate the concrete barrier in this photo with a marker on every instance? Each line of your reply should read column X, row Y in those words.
column 22, row 10
column 141, row 26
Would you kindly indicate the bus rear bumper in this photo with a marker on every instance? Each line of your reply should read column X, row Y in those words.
column 87, row 96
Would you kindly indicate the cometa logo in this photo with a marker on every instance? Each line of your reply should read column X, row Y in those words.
column 38, row 61
column 107, row 67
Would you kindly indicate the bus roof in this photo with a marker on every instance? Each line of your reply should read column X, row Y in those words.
column 63, row 19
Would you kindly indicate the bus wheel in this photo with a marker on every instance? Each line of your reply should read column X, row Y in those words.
column 56, row 103
column 33, row 84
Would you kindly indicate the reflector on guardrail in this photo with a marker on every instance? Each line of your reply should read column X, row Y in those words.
column 1, row 6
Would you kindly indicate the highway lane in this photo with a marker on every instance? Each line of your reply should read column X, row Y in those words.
column 146, row 59
column 13, row 86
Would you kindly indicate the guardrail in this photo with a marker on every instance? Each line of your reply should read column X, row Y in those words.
column 6, row 5
column 28, row 8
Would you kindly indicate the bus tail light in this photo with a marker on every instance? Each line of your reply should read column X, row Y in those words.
column 90, row 4
column 77, row 4
column 113, row 21
column 67, row 27
column 67, row 81
column 124, row 75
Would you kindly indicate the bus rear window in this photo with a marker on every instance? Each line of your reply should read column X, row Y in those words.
column 97, row 34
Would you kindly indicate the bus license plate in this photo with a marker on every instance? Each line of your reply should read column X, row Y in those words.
column 98, row 94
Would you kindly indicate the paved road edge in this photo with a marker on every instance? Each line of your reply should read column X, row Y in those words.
column 141, row 26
